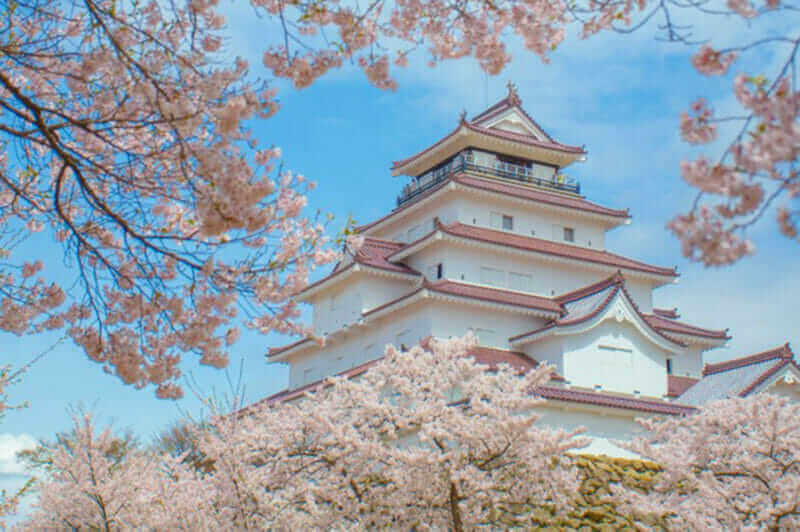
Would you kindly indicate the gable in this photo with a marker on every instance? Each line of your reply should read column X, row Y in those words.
column 515, row 121
column 586, row 313
column 785, row 381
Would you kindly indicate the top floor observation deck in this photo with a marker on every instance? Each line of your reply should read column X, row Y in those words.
column 490, row 165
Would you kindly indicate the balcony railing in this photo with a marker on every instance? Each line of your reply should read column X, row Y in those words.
column 462, row 163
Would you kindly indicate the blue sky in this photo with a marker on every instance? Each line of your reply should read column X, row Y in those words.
column 620, row 96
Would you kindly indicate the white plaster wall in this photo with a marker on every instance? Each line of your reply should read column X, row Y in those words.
column 420, row 222
column 529, row 219
column 532, row 221
column 689, row 364
column 360, row 344
column 493, row 327
column 632, row 364
column 603, row 426
column 344, row 304
column 465, row 263
column 549, row 350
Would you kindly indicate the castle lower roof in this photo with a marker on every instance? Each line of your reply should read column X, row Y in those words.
column 571, row 202
column 478, row 293
column 480, row 129
column 740, row 376
column 534, row 245
column 493, row 357
column 584, row 304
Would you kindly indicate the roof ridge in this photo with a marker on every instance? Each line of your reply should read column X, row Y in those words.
column 589, row 290
column 670, row 314
column 460, row 178
column 634, row 263
column 782, row 353
column 674, row 326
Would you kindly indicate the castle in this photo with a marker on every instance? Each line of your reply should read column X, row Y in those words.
column 490, row 236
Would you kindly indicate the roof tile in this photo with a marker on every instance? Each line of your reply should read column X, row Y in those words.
column 549, row 247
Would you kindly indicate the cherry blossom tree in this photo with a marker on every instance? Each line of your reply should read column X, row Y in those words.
column 123, row 135
column 423, row 439
column 99, row 480
column 735, row 465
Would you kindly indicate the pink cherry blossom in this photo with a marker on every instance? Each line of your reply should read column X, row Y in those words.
column 732, row 466
column 712, row 63
column 426, row 439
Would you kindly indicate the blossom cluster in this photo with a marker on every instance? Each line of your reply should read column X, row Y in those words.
column 125, row 138
column 426, row 438
column 732, row 466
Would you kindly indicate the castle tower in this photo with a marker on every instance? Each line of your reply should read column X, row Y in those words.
column 491, row 235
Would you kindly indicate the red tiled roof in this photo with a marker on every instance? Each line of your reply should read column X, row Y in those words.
column 539, row 194
column 613, row 285
column 373, row 254
column 482, row 355
column 613, row 401
column 783, row 352
column 590, row 289
column 669, row 313
column 277, row 350
column 481, row 293
column 497, row 133
column 767, row 374
column 672, row 326
column 509, row 189
column 491, row 357
column 495, row 295
column 677, row 385
column 525, row 139
column 538, row 245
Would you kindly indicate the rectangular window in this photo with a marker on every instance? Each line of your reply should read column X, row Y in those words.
column 436, row 271
column 669, row 366
column 508, row 222
column 492, row 276
column 569, row 234
column 519, row 281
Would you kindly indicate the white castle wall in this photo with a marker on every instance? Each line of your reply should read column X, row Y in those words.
column 546, row 278
column 603, row 426
column 616, row 357
column 360, row 344
column 362, row 292
column 529, row 219
column 492, row 327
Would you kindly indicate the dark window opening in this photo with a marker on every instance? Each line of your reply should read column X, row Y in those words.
column 439, row 270
column 508, row 222
column 569, row 234
column 669, row 366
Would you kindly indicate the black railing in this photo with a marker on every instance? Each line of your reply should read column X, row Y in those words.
column 504, row 170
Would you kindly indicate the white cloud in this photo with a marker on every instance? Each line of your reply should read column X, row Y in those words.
column 10, row 445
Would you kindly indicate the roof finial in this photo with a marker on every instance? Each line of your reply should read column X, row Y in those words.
column 513, row 96
column 463, row 116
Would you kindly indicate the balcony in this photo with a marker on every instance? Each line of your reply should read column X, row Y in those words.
column 465, row 163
